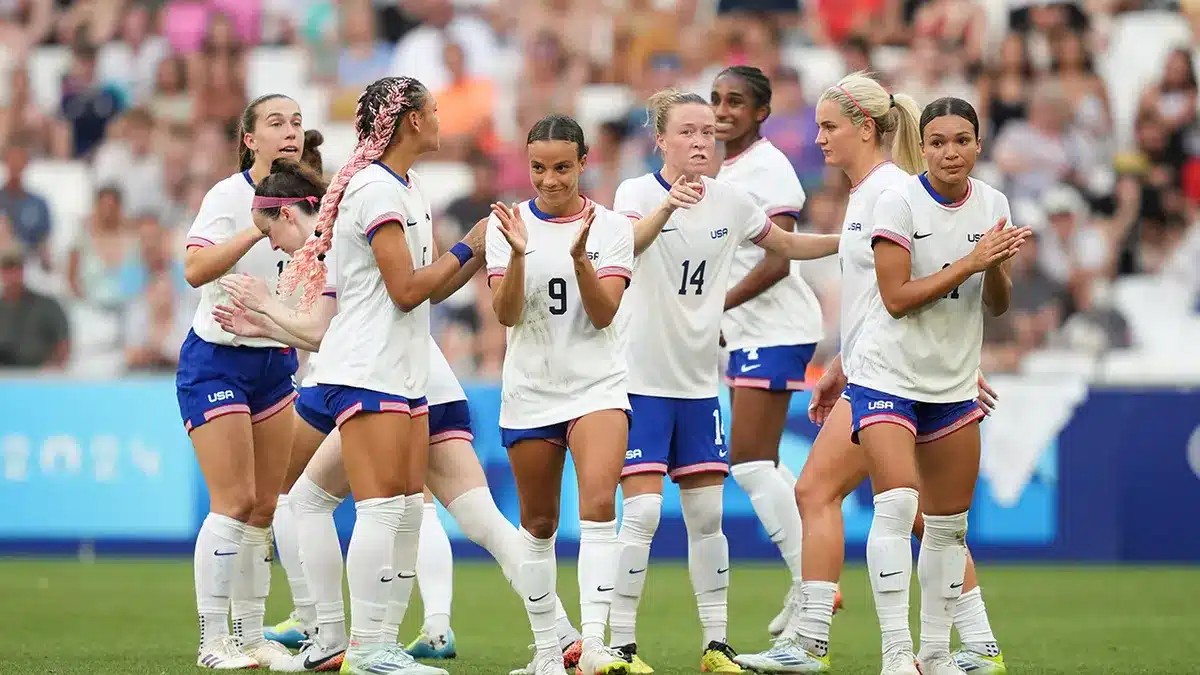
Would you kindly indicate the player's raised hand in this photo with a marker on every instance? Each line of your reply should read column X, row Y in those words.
column 243, row 322
column 987, row 396
column 825, row 395
column 511, row 226
column 246, row 290
column 579, row 246
column 997, row 245
column 684, row 195
column 477, row 237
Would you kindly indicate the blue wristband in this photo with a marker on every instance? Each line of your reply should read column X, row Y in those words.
column 462, row 252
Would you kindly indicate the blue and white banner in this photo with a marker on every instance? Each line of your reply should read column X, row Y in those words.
column 1067, row 473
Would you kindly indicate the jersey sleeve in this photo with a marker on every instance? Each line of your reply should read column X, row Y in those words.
column 781, row 193
column 616, row 255
column 498, row 250
column 893, row 219
column 214, row 224
column 331, row 283
column 1002, row 210
column 755, row 225
column 379, row 204
column 625, row 201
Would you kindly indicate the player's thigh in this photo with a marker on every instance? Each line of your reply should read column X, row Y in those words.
column 272, row 452
column 537, row 466
column 375, row 450
column 453, row 469
column 835, row 464
column 305, row 441
column 885, row 426
column 225, row 452
column 417, row 460
column 326, row 468
column 949, row 461
column 759, row 416
column 598, row 441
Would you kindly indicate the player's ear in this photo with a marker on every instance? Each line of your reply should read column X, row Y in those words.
column 582, row 163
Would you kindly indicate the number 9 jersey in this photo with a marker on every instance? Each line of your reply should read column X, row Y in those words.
column 674, row 306
column 558, row 366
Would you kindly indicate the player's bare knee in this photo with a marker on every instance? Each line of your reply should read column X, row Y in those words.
column 599, row 508
column 814, row 495
column 540, row 526
column 238, row 505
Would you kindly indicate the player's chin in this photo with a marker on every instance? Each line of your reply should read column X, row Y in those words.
column 699, row 163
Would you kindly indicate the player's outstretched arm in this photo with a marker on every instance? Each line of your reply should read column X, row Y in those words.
column 799, row 245
column 203, row 264
column 408, row 286
column 682, row 196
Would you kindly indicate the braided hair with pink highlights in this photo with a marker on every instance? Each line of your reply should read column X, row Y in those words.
column 381, row 109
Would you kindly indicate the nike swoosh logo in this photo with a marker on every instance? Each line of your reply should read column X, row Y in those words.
column 528, row 252
column 669, row 229
column 384, row 580
column 921, row 236
column 412, row 223
column 225, row 553
column 604, row 589
column 746, row 369
column 540, row 597
column 774, row 534
column 958, row 585
column 310, row 664
column 722, row 453
column 723, row 571
column 402, row 575
column 637, row 571
column 883, row 575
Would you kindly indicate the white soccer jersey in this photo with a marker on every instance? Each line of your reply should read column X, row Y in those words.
column 855, row 256
column 558, row 366
column 671, row 316
column 224, row 212
column 931, row 355
column 310, row 370
column 371, row 343
column 787, row 313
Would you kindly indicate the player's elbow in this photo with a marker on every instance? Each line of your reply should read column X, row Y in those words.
column 896, row 307
column 996, row 306
column 194, row 274
column 406, row 298
column 603, row 321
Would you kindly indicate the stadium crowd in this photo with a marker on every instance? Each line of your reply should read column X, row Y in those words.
column 116, row 116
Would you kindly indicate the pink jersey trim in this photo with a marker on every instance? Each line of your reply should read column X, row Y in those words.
column 384, row 219
column 648, row 467
column 887, row 418
column 614, row 271
column 199, row 242
column 632, row 215
column 702, row 467
column 451, row 435
column 270, row 412
column 974, row 415
column 766, row 229
column 892, row 237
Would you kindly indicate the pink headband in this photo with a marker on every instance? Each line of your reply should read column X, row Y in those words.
column 276, row 202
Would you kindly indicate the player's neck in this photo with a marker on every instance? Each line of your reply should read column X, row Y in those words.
column 670, row 175
column 399, row 158
column 736, row 146
column 568, row 207
column 859, row 170
column 259, row 171
column 951, row 192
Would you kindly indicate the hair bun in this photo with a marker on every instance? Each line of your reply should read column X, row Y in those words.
column 313, row 139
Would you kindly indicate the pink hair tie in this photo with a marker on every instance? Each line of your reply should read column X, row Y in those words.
column 276, row 202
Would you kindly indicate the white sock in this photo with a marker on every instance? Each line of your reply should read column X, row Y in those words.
column 786, row 474
column 369, row 566
column 536, row 577
column 708, row 559
column 404, row 562
column 774, row 502
column 251, row 585
column 217, row 547
column 640, row 516
column 288, row 543
column 889, row 563
column 940, row 569
column 971, row 622
column 598, row 555
column 481, row 521
column 811, row 623
column 321, row 553
column 435, row 572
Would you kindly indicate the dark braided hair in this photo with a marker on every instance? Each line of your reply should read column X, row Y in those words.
column 558, row 127
column 381, row 108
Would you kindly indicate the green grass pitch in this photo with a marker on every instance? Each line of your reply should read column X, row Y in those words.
column 137, row 617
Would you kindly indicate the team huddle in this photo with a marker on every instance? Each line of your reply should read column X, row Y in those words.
column 616, row 318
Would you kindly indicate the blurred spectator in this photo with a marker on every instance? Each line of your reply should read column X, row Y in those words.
column 20, row 116
column 1004, row 88
column 792, row 127
column 1096, row 326
column 28, row 214
column 465, row 109
column 462, row 212
column 1039, row 303
column 33, row 327
column 154, row 329
column 130, row 64
column 87, row 105
column 172, row 101
column 1073, row 250
column 959, row 24
column 363, row 57
column 1073, row 72
column 934, row 70
column 1174, row 97
column 128, row 161
column 1044, row 149
column 603, row 173
column 416, row 52
column 98, row 254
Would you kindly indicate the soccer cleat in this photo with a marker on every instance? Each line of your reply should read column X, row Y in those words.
column 938, row 665
column 290, row 632
column 546, row 664
column 787, row 655
column 570, row 659
column 427, row 646
column 719, row 658
column 384, row 660
column 268, row 654
column 900, row 662
column 975, row 663
column 791, row 603
column 224, row 653
column 636, row 665
column 314, row 657
column 602, row 661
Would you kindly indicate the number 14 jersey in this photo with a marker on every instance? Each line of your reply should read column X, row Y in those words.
column 558, row 366
column 672, row 312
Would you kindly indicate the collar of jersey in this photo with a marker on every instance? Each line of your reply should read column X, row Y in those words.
column 388, row 169
column 546, row 217
column 944, row 201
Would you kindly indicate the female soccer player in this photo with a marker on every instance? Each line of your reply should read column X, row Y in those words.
column 673, row 322
column 558, row 266
column 853, row 117
column 772, row 318
column 941, row 241
column 373, row 366
column 230, row 392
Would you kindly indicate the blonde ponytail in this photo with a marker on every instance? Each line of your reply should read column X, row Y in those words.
column 860, row 97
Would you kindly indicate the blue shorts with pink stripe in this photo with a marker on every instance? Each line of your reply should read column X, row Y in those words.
column 927, row 421
column 675, row 436
column 344, row 402
column 215, row 380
